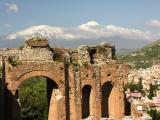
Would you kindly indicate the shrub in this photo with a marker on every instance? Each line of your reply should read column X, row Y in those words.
column 13, row 61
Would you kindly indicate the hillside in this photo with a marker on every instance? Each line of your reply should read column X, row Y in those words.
column 144, row 57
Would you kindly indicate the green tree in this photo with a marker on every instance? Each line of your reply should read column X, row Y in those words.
column 134, row 87
column 151, row 92
column 33, row 99
column 154, row 114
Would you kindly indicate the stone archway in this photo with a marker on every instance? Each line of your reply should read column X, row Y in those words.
column 106, row 91
column 56, row 99
column 28, row 75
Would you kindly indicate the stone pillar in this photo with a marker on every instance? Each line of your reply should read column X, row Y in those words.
column 77, row 93
column 119, row 93
column 119, row 103
column 112, row 103
column 98, row 94
column 73, row 114
column 57, row 106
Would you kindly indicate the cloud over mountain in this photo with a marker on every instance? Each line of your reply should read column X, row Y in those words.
column 154, row 23
column 89, row 30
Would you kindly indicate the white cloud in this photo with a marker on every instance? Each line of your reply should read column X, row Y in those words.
column 96, row 30
column 90, row 30
column 154, row 23
column 7, row 25
column 12, row 7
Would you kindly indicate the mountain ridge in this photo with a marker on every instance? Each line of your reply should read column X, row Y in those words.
column 144, row 57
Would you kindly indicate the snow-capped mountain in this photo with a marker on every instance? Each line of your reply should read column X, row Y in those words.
column 41, row 30
column 88, row 33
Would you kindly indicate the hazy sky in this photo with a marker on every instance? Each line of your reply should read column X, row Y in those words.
column 16, row 15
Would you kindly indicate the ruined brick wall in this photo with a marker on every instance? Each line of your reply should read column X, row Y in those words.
column 87, row 66
column 102, row 54
column 37, row 42
column 30, row 54
column 14, row 75
column 34, row 49
column 96, row 76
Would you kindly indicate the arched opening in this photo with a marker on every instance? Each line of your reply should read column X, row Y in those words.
column 106, row 91
column 86, row 101
column 34, row 96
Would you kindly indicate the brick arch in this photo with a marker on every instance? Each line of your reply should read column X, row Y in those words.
column 47, row 74
column 53, row 112
column 108, row 81
column 87, row 84
column 111, row 79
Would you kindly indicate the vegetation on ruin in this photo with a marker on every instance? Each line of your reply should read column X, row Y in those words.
column 114, row 53
column 86, row 65
column 144, row 57
column 33, row 99
column 13, row 61
column 21, row 47
column 58, row 55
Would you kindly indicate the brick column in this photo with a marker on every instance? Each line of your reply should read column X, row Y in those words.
column 98, row 93
column 75, row 94
column 119, row 106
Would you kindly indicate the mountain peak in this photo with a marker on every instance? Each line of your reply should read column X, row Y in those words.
column 39, row 30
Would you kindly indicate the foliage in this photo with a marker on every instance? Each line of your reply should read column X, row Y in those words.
column 133, row 87
column 13, row 61
column 144, row 57
column 74, row 62
column 152, row 91
column 151, row 94
column 21, row 47
column 85, row 65
column 154, row 114
column 113, row 53
column 33, row 99
column 58, row 55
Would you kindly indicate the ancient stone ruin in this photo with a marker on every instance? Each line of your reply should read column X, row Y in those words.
column 82, row 83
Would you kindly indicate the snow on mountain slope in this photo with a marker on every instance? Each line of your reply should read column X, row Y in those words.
column 42, row 30
column 89, row 30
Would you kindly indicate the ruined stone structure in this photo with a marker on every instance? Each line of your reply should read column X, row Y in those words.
column 82, row 83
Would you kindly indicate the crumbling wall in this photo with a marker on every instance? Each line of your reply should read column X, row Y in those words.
column 29, row 54
column 34, row 49
column 83, row 55
column 37, row 42
column 104, row 53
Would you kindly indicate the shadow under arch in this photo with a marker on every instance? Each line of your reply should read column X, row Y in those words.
column 106, row 91
column 87, row 100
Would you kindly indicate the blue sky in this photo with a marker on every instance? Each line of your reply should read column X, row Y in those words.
column 134, row 14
